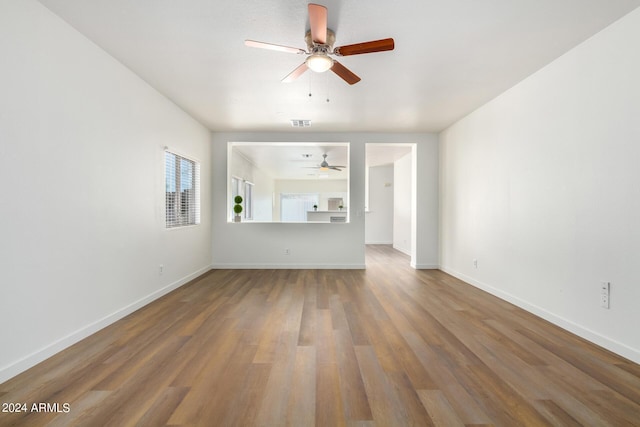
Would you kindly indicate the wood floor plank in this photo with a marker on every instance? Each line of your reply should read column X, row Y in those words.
column 274, row 405
column 166, row 402
column 82, row 404
column 442, row 372
column 325, row 345
column 556, row 414
column 356, row 403
column 384, row 400
column 215, row 340
column 307, row 335
column 329, row 407
column 513, row 406
column 126, row 403
column 301, row 409
column 385, row 346
column 358, row 334
column 206, row 383
column 439, row 409
column 620, row 380
column 613, row 407
column 240, row 405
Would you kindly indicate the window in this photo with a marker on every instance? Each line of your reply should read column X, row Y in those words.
column 182, row 190
column 248, row 200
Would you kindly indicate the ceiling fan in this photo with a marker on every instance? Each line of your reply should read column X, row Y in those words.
column 325, row 166
column 320, row 42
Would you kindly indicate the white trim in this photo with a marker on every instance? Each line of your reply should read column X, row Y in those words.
column 57, row 346
column 594, row 337
column 167, row 149
column 425, row 266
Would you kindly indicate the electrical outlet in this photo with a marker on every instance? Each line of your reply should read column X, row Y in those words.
column 161, row 269
column 605, row 294
column 287, row 251
column 475, row 263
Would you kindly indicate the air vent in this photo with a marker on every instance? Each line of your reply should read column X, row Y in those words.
column 300, row 123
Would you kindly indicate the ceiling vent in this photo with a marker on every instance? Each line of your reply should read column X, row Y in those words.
column 300, row 123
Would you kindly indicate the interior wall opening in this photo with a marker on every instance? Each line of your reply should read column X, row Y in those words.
column 390, row 189
column 288, row 181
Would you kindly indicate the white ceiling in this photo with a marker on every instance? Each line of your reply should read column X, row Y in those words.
column 450, row 58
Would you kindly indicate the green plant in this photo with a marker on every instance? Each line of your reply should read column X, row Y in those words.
column 238, row 207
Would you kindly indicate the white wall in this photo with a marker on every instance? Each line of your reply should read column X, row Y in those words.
column 263, row 193
column 541, row 187
column 81, row 143
column 379, row 218
column 402, row 205
column 425, row 215
column 241, row 167
column 321, row 245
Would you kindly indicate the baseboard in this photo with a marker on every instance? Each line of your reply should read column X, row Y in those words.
column 425, row 266
column 403, row 250
column 57, row 346
column 288, row 266
column 379, row 243
column 592, row 336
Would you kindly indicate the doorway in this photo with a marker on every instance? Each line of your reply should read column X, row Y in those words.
column 390, row 194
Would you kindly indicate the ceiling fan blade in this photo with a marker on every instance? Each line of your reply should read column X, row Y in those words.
column 318, row 23
column 344, row 73
column 271, row 46
column 295, row 73
column 366, row 47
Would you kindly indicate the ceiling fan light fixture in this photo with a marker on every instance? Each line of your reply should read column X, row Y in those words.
column 319, row 62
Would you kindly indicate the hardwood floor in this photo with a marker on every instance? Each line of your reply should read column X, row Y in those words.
column 385, row 346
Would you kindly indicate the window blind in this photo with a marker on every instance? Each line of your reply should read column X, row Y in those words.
column 182, row 191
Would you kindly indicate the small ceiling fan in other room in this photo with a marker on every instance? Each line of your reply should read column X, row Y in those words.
column 320, row 48
column 325, row 166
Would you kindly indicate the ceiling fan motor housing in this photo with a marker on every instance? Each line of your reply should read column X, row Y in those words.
column 327, row 47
